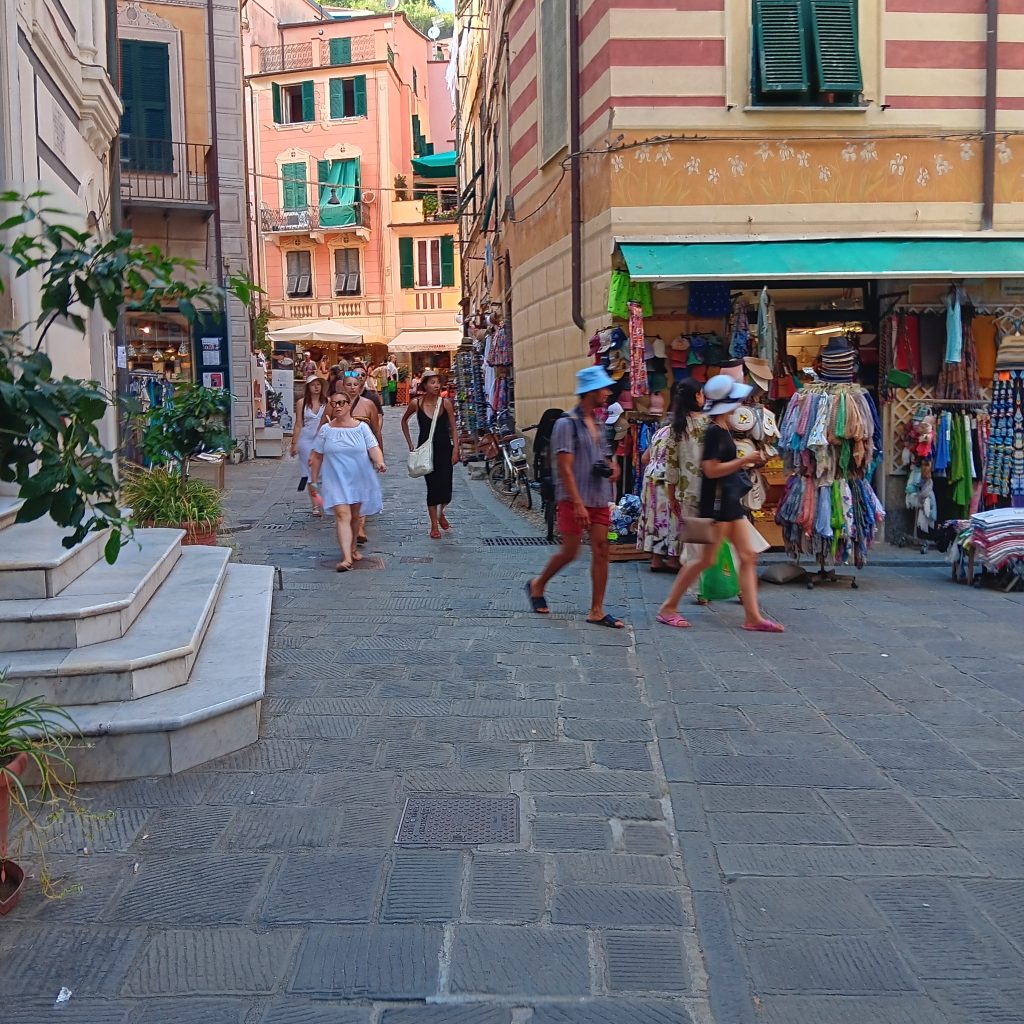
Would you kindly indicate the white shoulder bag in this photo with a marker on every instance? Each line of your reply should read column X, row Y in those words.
column 421, row 460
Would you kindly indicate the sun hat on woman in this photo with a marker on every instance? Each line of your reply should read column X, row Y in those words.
column 723, row 394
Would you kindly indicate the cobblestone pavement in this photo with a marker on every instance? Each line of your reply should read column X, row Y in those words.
column 825, row 826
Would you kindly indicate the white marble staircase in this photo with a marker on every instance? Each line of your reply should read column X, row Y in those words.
column 159, row 659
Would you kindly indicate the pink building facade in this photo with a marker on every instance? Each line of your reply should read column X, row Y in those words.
column 343, row 227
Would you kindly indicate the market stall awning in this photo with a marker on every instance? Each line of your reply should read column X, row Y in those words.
column 426, row 341
column 319, row 330
column 436, row 165
column 938, row 258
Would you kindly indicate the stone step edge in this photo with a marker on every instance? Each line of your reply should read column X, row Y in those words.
column 127, row 665
column 113, row 604
column 9, row 506
column 94, row 720
column 94, row 541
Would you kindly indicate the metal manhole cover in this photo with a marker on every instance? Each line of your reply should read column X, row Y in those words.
column 459, row 821
column 515, row 542
column 411, row 560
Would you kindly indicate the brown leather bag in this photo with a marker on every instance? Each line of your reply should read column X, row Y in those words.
column 694, row 530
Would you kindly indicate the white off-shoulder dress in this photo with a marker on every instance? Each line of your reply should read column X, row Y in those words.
column 347, row 476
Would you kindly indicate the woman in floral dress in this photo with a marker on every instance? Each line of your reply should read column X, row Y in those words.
column 671, row 487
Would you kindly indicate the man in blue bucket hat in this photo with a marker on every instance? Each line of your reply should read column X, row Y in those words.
column 584, row 488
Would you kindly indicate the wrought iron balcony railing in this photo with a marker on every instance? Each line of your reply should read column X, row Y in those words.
column 157, row 171
column 312, row 218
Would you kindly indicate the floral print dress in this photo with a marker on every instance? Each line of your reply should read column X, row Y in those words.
column 658, row 528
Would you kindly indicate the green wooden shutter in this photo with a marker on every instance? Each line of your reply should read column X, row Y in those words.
column 146, row 95
column 417, row 144
column 360, row 96
column 415, row 81
column 336, row 90
column 408, row 276
column 276, row 90
column 836, row 49
column 780, row 38
column 341, row 51
column 447, row 261
column 308, row 102
column 323, row 169
column 294, row 186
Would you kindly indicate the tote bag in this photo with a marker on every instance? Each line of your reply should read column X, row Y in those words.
column 421, row 460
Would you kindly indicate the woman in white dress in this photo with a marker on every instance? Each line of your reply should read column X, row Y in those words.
column 341, row 474
column 307, row 418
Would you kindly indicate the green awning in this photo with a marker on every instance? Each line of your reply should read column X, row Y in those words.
column 823, row 259
column 436, row 165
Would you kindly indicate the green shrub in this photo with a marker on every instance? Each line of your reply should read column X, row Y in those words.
column 159, row 496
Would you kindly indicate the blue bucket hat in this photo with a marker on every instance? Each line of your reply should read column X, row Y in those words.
column 592, row 378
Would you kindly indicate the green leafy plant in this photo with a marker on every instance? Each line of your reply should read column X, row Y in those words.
column 421, row 13
column 44, row 733
column 50, row 442
column 159, row 496
column 430, row 205
column 190, row 422
column 403, row 373
column 260, row 326
column 401, row 188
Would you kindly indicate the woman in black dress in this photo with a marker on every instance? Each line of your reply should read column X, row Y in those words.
column 724, row 483
column 445, row 446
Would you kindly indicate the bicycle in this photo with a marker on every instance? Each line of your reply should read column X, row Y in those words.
column 510, row 474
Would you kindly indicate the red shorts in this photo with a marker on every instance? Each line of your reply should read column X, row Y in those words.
column 570, row 526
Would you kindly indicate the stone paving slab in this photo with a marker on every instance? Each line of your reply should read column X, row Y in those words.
column 822, row 827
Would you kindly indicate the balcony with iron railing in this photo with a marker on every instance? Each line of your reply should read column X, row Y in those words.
column 162, row 175
column 437, row 205
column 314, row 54
column 313, row 219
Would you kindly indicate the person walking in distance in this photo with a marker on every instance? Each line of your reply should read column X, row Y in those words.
column 445, row 446
column 584, row 487
column 307, row 421
column 341, row 474
column 391, row 370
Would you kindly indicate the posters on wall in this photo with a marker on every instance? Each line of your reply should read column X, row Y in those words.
column 283, row 382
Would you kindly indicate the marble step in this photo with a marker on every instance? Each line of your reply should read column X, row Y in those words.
column 35, row 564
column 100, row 605
column 9, row 506
column 155, row 654
column 215, row 713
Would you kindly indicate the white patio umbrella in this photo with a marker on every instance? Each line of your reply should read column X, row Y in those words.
column 319, row 330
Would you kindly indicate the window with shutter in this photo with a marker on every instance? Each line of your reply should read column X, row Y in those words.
column 347, row 97
column 836, row 51
column 407, row 273
column 341, row 51
column 293, row 187
column 428, row 263
column 447, row 261
column 346, row 271
column 299, row 275
column 146, row 95
column 294, row 104
column 805, row 53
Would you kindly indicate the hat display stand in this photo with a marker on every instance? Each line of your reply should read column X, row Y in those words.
column 831, row 440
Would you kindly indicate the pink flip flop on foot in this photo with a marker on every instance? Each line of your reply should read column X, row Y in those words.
column 765, row 626
column 675, row 620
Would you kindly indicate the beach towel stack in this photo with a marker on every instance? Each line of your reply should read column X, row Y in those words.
column 998, row 538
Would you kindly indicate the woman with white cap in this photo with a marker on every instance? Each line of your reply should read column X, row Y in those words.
column 724, row 482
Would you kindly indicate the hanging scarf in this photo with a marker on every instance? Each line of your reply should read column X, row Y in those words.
column 638, row 383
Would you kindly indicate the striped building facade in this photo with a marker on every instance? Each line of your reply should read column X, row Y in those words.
column 676, row 139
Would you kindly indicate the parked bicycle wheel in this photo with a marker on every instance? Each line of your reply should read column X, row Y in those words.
column 523, row 494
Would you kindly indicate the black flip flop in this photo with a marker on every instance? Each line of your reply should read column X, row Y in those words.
column 609, row 622
column 539, row 605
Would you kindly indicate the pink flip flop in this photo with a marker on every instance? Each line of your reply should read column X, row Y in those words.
column 675, row 620
column 766, row 626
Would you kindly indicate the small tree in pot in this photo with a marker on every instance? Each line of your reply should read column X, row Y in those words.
column 190, row 423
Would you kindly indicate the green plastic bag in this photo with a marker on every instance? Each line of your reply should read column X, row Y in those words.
column 719, row 583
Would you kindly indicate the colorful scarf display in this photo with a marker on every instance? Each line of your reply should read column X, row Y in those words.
column 638, row 383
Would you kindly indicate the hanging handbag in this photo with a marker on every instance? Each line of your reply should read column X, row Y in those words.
column 421, row 460
column 694, row 530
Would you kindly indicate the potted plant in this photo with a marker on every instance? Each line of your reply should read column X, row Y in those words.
column 401, row 188
column 189, row 423
column 160, row 497
column 34, row 741
column 430, row 206
column 402, row 395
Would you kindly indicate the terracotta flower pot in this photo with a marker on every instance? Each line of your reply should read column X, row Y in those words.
column 12, row 878
column 195, row 533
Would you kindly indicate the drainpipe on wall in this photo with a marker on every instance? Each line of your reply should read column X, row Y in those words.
column 988, row 185
column 213, row 182
column 575, row 197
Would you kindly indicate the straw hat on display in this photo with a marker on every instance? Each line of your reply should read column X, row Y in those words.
column 838, row 362
column 759, row 370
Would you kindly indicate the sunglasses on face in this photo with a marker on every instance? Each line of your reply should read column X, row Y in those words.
column 352, row 373
column 340, row 401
